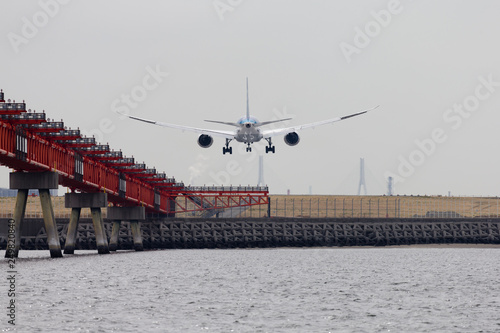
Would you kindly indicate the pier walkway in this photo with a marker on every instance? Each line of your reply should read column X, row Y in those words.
column 45, row 154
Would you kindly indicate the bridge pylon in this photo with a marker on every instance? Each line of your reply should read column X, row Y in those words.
column 94, row 201
column 44, row 182
column 131, row 214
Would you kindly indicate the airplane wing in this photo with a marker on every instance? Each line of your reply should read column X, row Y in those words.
column 223, row 122
column 224, row 134
column 279, row 131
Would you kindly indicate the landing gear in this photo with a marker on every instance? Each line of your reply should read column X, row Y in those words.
column 270, row 148
column 249, row 148
column 227, row 149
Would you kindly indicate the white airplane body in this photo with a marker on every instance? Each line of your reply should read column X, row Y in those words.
column 248, row 130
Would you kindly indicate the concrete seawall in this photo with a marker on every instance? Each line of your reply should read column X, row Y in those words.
column 274, row 232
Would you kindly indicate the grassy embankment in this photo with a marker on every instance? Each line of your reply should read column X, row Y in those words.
column 322, row 206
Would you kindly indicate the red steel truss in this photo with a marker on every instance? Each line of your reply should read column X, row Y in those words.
column 29, row 142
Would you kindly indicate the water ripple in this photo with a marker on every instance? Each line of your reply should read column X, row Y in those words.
column 262, row 290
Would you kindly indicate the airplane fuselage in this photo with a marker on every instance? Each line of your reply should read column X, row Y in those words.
column 248, row 132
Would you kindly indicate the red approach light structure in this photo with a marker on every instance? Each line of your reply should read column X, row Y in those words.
column 30, row 142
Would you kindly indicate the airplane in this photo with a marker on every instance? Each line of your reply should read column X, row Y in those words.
column 248, row 130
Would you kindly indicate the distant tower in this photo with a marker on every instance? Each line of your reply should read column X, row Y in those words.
column 261, row 171
column 390, row 186
column 362, row 176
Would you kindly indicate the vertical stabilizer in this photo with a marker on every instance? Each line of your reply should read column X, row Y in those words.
column 248, row 107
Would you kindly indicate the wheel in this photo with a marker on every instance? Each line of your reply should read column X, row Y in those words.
column 270, row 149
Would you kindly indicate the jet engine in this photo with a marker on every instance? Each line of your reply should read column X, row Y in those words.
column 292, row 139
column 205, row 141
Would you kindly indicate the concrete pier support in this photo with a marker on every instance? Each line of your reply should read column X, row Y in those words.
column 94, row 201
column 132, row 214
column 43, row 181
column 19, row 210
column 50, row 224
column 69, row 246
column 113, row 240
column 136, row 233
column 100, row 232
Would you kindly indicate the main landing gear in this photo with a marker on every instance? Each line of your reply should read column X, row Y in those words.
column 270, row 147
column 227, row 149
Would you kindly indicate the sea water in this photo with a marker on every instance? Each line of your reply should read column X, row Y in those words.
column 394, row 289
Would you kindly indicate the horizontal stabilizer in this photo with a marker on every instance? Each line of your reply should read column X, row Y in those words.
column 271, row 122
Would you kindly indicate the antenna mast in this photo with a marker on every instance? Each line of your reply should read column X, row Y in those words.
column 261, row 171
column 390, row 186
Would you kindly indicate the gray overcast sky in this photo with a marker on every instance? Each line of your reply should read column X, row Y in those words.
column 433, row 66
